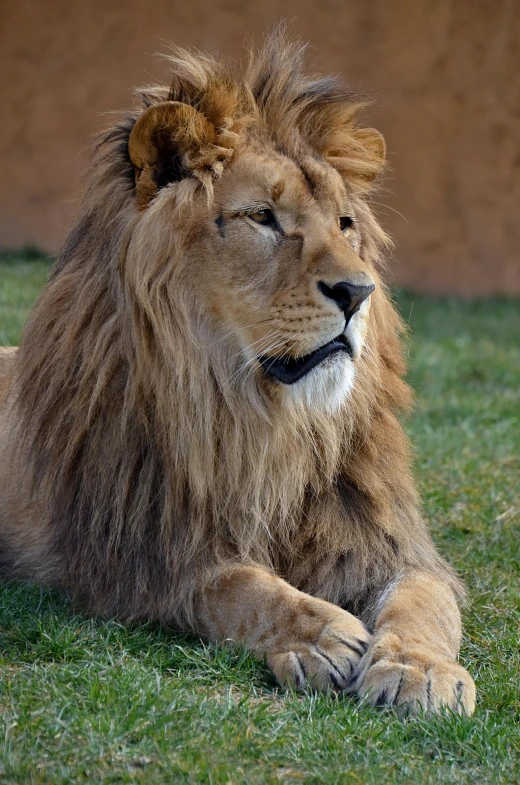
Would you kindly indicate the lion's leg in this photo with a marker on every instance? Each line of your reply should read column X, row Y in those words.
column 306, row 641
column 412, row 659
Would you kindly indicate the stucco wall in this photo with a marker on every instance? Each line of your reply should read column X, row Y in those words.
column 445, row 74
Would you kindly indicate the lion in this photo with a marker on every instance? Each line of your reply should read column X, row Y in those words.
column 202, row 423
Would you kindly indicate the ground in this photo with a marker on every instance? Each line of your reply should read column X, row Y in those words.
column 85, row 700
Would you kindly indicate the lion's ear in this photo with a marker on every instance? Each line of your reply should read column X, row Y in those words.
column 171, row 141
column 359, row 156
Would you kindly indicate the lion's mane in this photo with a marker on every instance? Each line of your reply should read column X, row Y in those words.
column 149, row 467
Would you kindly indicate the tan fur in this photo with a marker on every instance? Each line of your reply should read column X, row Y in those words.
column 149, row 464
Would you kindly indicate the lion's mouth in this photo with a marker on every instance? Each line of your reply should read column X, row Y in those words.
column 289, row 370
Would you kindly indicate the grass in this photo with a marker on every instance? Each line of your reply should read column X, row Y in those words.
column 86, row 700
column 21, row 278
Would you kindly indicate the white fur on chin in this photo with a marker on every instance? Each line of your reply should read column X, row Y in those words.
column 326, row 387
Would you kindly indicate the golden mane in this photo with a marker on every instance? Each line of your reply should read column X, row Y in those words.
column 144, row 456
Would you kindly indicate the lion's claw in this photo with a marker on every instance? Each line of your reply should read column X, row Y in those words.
column 413, row 679
column 327, row 664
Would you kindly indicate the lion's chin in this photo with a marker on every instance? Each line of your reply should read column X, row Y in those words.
column 325, row 388
column 289, row 370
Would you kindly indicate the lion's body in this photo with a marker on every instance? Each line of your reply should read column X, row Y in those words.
column 145, row 466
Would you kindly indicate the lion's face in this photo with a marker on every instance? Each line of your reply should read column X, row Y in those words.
column 273, row 257
column 280, row 266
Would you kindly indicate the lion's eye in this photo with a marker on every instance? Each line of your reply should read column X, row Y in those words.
column 264, row 217
column 345, row 223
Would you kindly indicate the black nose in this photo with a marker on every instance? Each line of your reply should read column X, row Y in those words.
column 347, row 296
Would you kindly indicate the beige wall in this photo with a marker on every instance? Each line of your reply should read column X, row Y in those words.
column 445, row 73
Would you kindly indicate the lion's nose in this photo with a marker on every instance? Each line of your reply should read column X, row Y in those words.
column 347, row 296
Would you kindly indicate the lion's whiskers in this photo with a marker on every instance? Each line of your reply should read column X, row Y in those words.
column 231, row 332
column 260, row 341
column 387, row 207
column 249, row 365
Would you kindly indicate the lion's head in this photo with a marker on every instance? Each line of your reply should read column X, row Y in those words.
column 214, row 344
column 251, row 194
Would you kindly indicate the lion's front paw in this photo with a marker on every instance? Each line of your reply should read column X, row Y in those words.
column 326, row 664
column 413, row 678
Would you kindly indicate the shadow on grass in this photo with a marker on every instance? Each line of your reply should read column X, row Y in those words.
column 28, row 253
column 41, row 626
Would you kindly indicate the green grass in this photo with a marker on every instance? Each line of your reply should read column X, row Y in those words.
column 85, row 700
column 21, row 278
